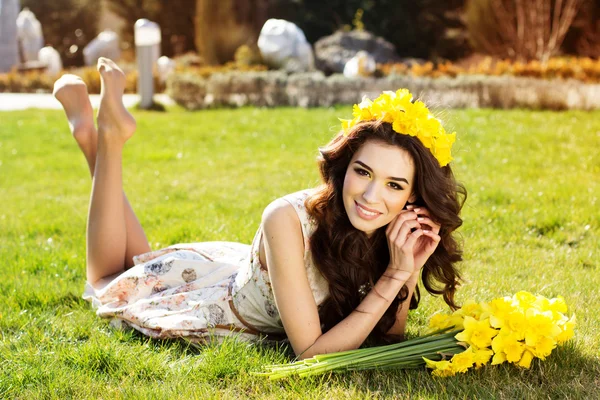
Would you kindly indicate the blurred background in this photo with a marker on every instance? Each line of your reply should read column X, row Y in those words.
column 415, row 38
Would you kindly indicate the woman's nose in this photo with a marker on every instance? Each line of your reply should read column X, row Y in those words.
column 370, row 194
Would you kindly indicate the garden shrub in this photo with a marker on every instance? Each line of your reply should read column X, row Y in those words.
column 583, row 69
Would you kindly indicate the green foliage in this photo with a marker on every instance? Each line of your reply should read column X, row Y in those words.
column 424, row 29
column 175, row 18
column 68, row 25
column 530, row 222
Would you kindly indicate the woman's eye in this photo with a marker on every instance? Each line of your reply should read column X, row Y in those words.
column 361, row 172
column 395, row 186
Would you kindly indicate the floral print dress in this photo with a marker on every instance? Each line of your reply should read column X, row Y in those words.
column 203, row 290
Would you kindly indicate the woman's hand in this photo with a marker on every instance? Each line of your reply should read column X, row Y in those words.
column 412, row 238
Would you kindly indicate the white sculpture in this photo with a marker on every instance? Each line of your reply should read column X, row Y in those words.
column 283, row 45
column 147, row 38
column 29, row 31
column 362, row 64
column 166, row 67
column 106, row 44
column 49, row 56
column 9, row 50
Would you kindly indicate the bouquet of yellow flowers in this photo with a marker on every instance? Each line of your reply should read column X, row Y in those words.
column 508, row 329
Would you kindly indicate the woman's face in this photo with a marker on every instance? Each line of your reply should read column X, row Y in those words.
column 377, row 185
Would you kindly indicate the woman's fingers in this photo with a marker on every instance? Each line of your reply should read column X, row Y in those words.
column 424, row 213
column 412, row 239
column 434, row 237
column 394, row 226
column 429, row 222
column 405, row 231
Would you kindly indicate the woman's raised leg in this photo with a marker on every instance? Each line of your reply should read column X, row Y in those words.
column 105, row 252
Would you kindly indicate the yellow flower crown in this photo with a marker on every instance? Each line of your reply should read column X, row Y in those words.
column 407, row 118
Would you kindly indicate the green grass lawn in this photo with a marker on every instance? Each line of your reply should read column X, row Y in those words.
column 532, row 222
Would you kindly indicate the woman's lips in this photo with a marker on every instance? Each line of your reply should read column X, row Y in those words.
column 361, row 212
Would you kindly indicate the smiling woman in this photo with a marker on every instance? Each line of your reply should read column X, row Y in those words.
column 328, row 266
column 386, row 211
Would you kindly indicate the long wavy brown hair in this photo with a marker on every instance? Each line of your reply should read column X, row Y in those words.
column 352, row 262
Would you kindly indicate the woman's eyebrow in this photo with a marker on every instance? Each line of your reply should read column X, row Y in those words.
column 389, row 177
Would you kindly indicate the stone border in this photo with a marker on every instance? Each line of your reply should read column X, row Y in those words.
column 275, row 88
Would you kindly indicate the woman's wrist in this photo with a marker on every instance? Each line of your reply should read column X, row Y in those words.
column 414, row 278
column 398, row 274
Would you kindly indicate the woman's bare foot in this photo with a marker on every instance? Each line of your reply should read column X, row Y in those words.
column 114, row 121
column 71, row 92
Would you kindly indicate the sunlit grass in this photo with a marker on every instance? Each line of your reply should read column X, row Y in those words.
column 531, row 222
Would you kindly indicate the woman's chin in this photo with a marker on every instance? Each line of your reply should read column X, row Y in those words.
column 365, row 226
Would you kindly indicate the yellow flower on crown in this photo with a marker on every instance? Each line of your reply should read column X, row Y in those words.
column 407, row 118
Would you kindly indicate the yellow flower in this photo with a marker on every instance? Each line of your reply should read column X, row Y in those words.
column 383, row 107
column 525, row 361
column 539, row 325
column 348, row 123
column 500, row 310
column 482, row 357
column 499, row 358
column 508, row 344
column 407, row 118
column 440, row 321
column 403, row 124
column 457, row 319
column 556, row 305
column 419, row 110
column 517, row 324
column 440, row 368
column 513, row 349
column 543, row 347
column 442, row 146
column 461, row 362
column 567, row 330
column 477, row 333
column 363, row 110
column 470, row 309
column 525, row 299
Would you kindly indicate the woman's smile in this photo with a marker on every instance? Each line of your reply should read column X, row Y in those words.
column 365, row 212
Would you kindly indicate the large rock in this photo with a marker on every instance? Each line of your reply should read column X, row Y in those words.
column 362, row 64
column 9, row 50
column 51, row 59
column 29, row 32
column 334, row 51
column 283, row 45
column 106, row 44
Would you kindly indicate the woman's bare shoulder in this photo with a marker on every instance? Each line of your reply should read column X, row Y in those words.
column 280, row 214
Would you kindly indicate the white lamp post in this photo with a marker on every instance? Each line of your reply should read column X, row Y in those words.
column 147, row 48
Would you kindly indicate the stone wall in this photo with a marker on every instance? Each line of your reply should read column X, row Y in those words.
column 274, row 88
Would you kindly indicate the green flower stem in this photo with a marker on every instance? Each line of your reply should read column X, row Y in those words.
column 407, row 354
column 405, row 357
column 376, row 359
column 373, row 350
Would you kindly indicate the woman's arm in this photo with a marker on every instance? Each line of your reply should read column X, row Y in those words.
column 284, row 249
column 397, row 330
